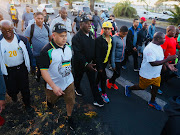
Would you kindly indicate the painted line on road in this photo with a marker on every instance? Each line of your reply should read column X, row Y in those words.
column 140, row 93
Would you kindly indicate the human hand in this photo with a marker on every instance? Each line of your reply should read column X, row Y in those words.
column 91, row 67
column 58, row 91
column 2, row 105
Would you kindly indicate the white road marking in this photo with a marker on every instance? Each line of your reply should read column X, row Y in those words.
column 141, row 93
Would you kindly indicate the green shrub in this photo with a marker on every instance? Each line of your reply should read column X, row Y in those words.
column 176, row 15
column 124, row 9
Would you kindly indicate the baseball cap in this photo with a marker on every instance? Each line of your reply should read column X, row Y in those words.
column 179, row 25
column 107, row 25
column 59, row 28
column 85, row 19
column 143, row 18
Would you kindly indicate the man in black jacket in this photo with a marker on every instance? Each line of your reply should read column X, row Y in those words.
column 131, row 44
column 83, row 45
column 142, row 38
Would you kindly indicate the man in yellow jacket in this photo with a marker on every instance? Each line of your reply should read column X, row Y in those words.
column 14, row 15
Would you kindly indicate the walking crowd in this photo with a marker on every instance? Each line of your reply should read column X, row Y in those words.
column 49, row 50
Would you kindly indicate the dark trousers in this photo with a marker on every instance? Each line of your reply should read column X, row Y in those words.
column 78, row 74
column 116, row 73
column 17, row 80
column 38, row 73
column 135, row 57
column 101, row 78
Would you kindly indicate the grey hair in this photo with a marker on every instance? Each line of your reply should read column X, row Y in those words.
column 7, row 22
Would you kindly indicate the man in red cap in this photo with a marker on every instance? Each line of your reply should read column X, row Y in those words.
column 142, row 20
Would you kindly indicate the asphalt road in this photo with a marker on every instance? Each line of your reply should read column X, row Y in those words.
column 125, row 116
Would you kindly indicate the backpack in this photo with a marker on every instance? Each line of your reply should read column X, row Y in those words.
column 32, row 31
column 107, row 15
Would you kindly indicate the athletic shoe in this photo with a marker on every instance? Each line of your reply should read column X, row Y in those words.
column 159, row 92
column 155, row 105
column 105, row 98
column 79, row 93
column 70, row 123
column 124, row 67
column 115, row 86
column 136, row 70
column 99, row 88
column 99, row 104
column 109, row 85
column 127, row 91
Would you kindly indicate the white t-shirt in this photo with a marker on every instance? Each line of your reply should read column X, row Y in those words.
column 151, row 53
column 13, row 55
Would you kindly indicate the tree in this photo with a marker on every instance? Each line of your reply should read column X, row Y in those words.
column 147, row 4
column 124, row 9
column 92, row 5
column 176, row 15
column 39, row 2
column 32, row 1
column 46, row 1
column 57, row 3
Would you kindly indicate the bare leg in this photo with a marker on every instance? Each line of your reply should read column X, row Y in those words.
column 153, row 93
column 69, row 108
column 135, row 87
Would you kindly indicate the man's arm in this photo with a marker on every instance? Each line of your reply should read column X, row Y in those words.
column 73, row 27
column 22, row 25
column 58, row 91
column 164, row 61
column 113, row 53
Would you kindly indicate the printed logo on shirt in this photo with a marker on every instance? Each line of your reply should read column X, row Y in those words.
column 64, row 68
column 19, row 48
column 12, row 53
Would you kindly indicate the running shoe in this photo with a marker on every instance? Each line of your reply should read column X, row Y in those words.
column 70, row 123
column 99, row 88
column 136, row 70
column 105, row 98
column 124, row 67
column 159, row 92
column 79, row 93
column 99, row 104
column 127, row 91
column 155, row 105
column 115, row 86
column 109, row 85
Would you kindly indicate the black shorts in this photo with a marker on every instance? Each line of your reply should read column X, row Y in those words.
column 15, row 21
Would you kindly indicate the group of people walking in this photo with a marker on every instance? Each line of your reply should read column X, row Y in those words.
column 62, row 60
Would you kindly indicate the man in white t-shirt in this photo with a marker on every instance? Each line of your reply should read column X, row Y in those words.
column 153, row 60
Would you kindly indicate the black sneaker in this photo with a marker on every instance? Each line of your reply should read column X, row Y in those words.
column 99, row 103
column 78, row 92
column 70, row 123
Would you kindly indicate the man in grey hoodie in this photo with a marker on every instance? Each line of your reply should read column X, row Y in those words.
column 173, row 111
column 96, row 20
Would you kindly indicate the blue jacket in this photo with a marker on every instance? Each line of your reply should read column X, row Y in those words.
column 2, row 87
column 118, row 49
column 151, row 31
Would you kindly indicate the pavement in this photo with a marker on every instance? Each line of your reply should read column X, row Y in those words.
column 126, row 116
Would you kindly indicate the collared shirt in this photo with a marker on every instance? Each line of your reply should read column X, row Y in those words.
column 27, row 17
column 66, row 23
column 40, row 38
column 57, row 61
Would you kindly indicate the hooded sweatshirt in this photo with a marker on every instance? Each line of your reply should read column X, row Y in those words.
column 172, row 126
